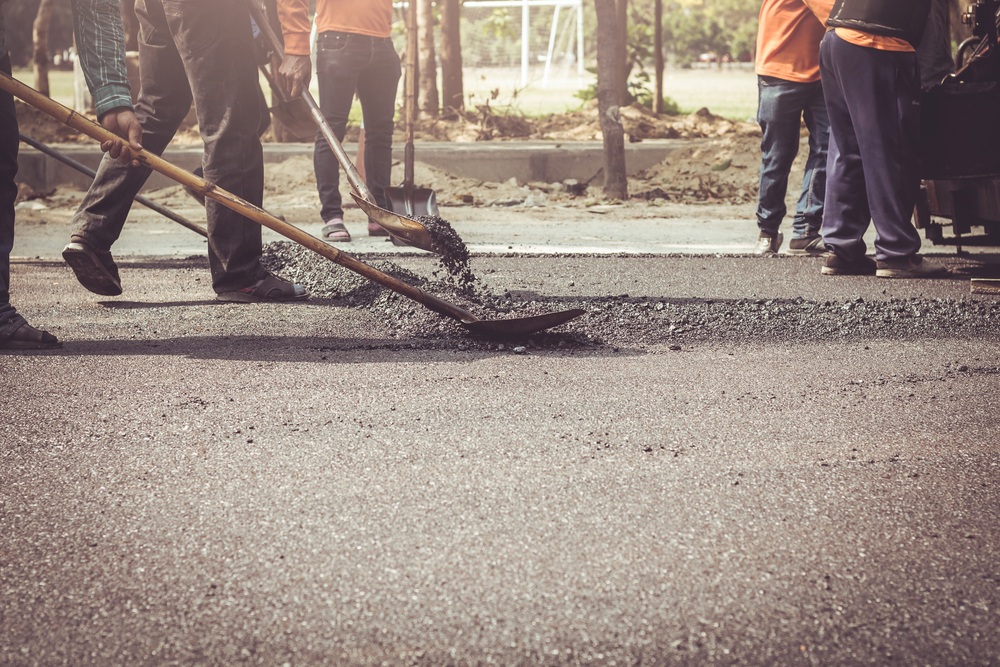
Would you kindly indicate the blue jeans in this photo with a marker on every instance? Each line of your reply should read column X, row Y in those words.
column 10, row 320
column 781, row 106
column 347, row 63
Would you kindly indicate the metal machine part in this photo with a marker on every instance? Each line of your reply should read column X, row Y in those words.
column 960, row 142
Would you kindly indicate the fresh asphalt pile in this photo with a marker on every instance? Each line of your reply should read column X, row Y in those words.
column 629, row 321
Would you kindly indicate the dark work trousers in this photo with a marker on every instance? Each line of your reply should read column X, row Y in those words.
column 782, row 106
column 202, row 49
column 347, row 63
column 10, row 320
column 872, row 174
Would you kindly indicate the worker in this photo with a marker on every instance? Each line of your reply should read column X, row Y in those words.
column 354, row 54
column 190, row 49
column 788, row 91
column 871, row 81
column 98, row 31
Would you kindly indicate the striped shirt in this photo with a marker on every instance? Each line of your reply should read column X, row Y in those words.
column 100, row 40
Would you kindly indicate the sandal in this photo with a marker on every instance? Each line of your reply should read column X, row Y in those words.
column 27, row 337
column 375, row 229
column 95, row 270
column 343, row 236
column 269, row 289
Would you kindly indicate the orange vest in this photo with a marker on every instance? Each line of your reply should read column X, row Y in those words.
column 362, row 17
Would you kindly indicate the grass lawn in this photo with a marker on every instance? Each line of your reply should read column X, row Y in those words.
column 731, row 93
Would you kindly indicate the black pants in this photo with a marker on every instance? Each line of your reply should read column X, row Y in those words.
column 201, row 50
column 9, row 318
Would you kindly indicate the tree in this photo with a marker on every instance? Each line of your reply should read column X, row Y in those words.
column 427, row 98
column 40, row 53
column 452, row 91
column 658, row 56
column 615, row 181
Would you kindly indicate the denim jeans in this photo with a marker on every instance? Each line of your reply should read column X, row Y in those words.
column 347, row 63
column 781, row 106
column 10, row 320
column 201, row 50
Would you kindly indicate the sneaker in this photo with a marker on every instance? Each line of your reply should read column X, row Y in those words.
column 94, row 269
column 913, row 266
column 809, row 245
column 768, row 245
column 836, row 266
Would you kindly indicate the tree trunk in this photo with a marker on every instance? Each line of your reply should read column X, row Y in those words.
column 621, row 49
column 608, row 73
column 427, row 98
column 658, row 54
column 452, row 92
column 130, row 22
column 40, row 37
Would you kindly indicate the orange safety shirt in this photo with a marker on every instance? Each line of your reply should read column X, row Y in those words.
column 788, row 38
column 362, row 17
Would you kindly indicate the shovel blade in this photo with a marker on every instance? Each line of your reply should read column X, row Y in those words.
column 522, row 325
column 412, row 201
column 409, row 231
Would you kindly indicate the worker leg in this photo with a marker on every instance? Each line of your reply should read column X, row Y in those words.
column 809, row 210
column 164, row 100
column 340, row 57
column 10, row 320
column 216, row 44
column 883, row 96
column 845, row 212
column 377, row 92
column 779, row 113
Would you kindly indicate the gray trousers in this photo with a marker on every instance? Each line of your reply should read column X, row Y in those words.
column 201, row 50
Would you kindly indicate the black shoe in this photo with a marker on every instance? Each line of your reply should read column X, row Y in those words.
column 95, row 270
column 810, row 245
column 835, row 266
column 768, row 245
column 27, row 337
column 913, row 266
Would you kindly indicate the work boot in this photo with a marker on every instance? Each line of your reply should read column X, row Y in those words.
column 913, row 266
column 836, row 266
column 767, row 244
column 96, row 270
column 808, row 245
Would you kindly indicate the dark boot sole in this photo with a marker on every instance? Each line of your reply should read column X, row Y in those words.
column 90, row 271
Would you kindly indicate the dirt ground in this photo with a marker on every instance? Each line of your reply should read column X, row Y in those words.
column 721, row 168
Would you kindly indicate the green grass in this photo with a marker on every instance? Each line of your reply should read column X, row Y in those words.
column 731, row 93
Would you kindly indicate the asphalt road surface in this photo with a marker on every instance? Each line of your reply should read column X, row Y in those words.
column 194, row 483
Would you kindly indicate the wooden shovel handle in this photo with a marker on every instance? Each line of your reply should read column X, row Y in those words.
column 231, row 201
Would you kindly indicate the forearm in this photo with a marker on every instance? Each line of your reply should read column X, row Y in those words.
column 100, row 43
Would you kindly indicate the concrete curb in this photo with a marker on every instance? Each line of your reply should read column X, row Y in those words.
column 528, row 161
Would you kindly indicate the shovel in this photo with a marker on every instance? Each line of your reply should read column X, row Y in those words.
column 407, row 198
column 83, row 124
column 399, row 226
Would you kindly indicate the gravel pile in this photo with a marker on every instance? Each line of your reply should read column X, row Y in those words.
column 624, row 321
